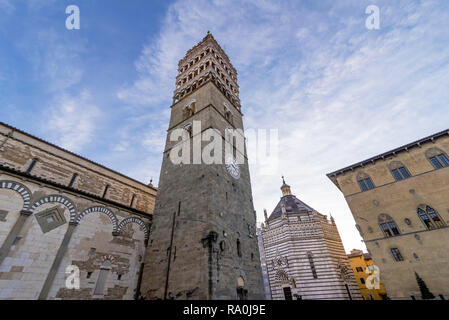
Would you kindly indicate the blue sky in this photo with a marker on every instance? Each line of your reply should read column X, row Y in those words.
column 337, row 92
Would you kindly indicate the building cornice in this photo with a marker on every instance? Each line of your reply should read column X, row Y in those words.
column 74, row 154
column 387, row 154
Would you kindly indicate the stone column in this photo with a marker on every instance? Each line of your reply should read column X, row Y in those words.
column 57, row 261
column 6, row 247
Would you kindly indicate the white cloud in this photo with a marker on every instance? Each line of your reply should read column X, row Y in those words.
column 55, row 60
column 72, row 121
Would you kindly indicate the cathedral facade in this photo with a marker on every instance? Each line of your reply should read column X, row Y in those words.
column 62, row 216
column 304, row 254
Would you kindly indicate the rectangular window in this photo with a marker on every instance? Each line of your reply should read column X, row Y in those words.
column 396, row 254
column 396, row 174
column 444, row 160
column 31, row 166
column 362, row 280
column 312, row 266
column 3, row 214
column 288, row 293
column 242, row 294
column 359, row 269
column 404, row 172
column 436, row 163
column 105, row 190
column 73, row 179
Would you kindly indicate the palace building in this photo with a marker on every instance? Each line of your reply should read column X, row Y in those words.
column 399, row 200
column 304, row 254
column 63, row 214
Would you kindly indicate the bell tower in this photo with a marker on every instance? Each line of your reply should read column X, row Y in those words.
column 203, row 243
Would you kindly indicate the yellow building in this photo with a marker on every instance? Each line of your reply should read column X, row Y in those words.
column 399, row 200
column 359, row 262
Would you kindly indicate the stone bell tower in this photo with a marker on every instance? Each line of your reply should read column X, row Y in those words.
column 203, row 243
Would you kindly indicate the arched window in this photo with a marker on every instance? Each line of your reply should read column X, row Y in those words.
column 397, row 256
column 188, row 128
column 365, row 181
column 430, row 217
column 282, row 276
column 388, row 226
column 398, row 170
column 438, row 158
column 227, row 112
column 242, row 293
column 312, row 264
column 189, row 109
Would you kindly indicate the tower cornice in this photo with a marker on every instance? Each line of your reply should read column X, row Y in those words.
column 209, row 38
column 206, row 60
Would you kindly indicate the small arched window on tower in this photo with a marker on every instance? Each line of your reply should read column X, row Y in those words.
column 227, row 112
column 438, row 158
column 31, row 166
column 189, row 109
column 388, row 226
column 239, row 248
column 398, row 170
column 365, row 181
column 242, row 293
column 188, row 128
column 430, row 217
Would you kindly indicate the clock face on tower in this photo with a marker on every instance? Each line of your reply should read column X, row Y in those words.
column 232, row 167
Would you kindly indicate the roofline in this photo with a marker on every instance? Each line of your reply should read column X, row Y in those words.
column 76, row 191
column 74, row 154
column 393, row 152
